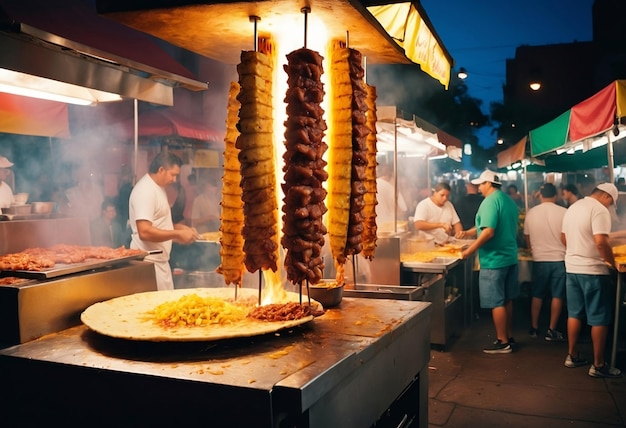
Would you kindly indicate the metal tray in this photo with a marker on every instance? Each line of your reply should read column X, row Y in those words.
column 61, row 269
column 439, row 264
column 394, row 292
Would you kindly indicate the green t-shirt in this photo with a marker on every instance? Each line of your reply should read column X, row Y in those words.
column 499, row 212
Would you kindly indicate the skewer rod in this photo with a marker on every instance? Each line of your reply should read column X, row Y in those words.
column 306, row 11
column 255, row 19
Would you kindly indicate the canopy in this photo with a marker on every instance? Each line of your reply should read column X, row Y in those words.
column 405, row 137
column 515, row 153
column 165, row 123
column 31, row 116
column 589, row 118
column 413, row 137
column 411, row 30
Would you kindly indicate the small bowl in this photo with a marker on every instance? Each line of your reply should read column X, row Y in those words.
column 327, row 292
column 42, row 207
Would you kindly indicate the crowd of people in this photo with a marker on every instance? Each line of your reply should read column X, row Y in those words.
column 568, row 236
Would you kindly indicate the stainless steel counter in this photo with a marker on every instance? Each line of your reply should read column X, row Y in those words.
column 449, row 311
column 345, row 368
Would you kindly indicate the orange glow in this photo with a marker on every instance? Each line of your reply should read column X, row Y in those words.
column 285, row 40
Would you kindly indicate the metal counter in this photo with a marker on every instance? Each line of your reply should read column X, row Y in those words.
column 449, row 313
column 345, row 368
column 35, row 308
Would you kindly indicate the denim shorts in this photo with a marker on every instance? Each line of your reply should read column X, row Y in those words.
column 589, row 295
column 497, row 286
column 548, row 276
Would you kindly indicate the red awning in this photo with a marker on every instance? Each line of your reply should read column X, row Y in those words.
column 166, row 123
column 31, row 116
column 448, row 140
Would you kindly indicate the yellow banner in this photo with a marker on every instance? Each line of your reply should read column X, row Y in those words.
column 403, row 22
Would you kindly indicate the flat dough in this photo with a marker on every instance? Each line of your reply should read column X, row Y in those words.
column 126, row 317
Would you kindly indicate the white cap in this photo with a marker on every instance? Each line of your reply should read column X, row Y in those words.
column 5, row 163
column 489, row 176
column 610, row 189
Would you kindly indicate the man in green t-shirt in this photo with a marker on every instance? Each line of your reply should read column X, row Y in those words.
column 496, row 242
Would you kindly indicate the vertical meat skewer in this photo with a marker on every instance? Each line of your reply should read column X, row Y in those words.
column 303, row 208
column 256, row 144
column 369, row 210
column 231, row 221
column 348, row 156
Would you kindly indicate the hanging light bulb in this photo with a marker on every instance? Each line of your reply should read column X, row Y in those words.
column 462, row 74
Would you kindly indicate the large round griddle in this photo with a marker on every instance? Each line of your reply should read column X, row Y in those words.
column 127, row 317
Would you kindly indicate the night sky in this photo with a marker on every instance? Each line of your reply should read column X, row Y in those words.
column 481, row 34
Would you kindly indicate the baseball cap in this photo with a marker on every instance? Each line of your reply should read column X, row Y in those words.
column 610, row 189
column 5, row 163
column 489, row 176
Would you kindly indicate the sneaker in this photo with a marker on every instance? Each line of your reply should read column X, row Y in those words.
column 604, row 371
column 533, row 332
column 554, row 336
column 576, row 361
column 498, row 348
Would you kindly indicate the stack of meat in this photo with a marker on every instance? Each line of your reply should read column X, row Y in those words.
column 369, row 210
column 231, row 224
column 303, row 229
column 258, row 175
column 348, row 155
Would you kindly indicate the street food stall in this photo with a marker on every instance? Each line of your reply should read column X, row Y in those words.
column 325, row 369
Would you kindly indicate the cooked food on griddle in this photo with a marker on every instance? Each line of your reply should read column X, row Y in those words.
column 39, row 258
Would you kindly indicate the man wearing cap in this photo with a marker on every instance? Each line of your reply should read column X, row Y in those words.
column 6, row 194
column 588, row 255
column 496, row 231
column 542, row 230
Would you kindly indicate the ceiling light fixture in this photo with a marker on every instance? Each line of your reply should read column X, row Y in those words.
column 535, row 85
column 27, row 85
column 462, row 74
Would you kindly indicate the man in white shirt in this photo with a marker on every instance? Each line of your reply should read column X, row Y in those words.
column 588, row 255
column 437, row 217
column 6, row 193
column 151, row 217
column 542, row 230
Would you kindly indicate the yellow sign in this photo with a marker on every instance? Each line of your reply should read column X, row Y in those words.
column 404, row 24
column 206, row 159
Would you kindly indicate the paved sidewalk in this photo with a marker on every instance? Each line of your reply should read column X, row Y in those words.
column 527, row 388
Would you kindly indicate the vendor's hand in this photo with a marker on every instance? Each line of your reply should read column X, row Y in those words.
column 447, row 227
column 187, row 235
column 460, row 235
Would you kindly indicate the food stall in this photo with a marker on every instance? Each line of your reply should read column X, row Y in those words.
column 325, row 372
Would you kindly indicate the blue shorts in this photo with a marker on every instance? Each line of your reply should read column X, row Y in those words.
column 589, row 295
column 497, row 286
column 548, row 276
